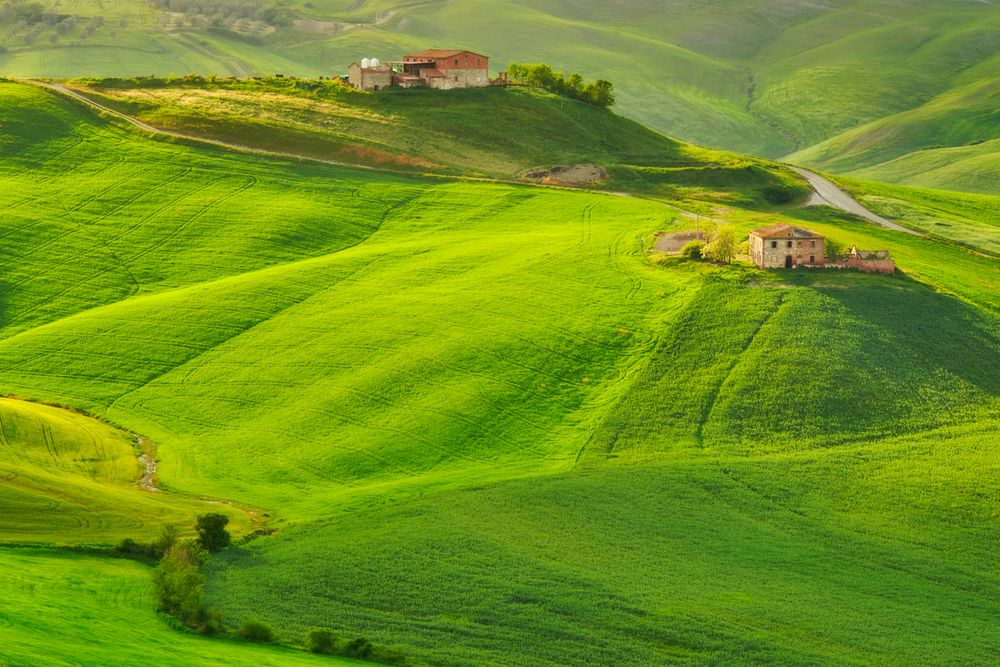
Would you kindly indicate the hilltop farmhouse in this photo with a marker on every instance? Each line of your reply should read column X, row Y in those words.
column 787, row 246
column 433, row 68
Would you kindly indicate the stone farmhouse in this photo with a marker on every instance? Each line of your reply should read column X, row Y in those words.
column 433, row 68
column 787, row 246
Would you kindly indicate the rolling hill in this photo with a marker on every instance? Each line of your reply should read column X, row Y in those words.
column 482, row 421
column 770, row 78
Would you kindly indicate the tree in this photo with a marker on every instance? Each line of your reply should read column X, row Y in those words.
column 600, row 94
column 834, row 249
column 179, row 583
column 722, row 247
column 212, row 533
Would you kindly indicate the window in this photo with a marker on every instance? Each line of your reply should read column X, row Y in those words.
column 774, row 244
column 812, row 244
column 812, row 259
column 789, row 244
column 456, row 61
column 479, row 62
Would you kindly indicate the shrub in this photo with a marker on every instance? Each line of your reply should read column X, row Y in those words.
column 179, row 583
column 693, row 249
column 359, row 648
column 256, row 631
column 212, row 533
column 322, row 641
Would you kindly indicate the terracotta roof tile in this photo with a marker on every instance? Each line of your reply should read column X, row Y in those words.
column 785, row 231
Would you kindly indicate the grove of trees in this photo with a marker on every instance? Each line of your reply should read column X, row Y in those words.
column 599, row 93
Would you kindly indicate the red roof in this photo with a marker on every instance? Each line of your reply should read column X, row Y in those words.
column 785, row 231
column 442, row 53
column 431, row 73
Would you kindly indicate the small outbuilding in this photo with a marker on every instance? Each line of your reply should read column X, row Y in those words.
column 786, row 246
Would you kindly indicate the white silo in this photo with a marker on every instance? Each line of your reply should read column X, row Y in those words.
column 366, row 63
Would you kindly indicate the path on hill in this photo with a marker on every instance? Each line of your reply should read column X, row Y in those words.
column 825, row 192
column 146, row 127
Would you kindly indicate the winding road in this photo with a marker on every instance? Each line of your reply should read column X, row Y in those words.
column 825, row 193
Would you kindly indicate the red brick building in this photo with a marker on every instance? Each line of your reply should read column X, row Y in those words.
column 442, row 68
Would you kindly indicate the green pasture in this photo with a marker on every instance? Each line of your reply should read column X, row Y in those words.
column 69, row 479
column 64, row 608
column 487, row 425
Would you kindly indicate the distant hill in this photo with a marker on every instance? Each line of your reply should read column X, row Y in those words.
column 504, row 133
column 770, row 78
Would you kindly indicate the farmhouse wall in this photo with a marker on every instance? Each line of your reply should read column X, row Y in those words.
column 369, row 78
column 764, row 254
column 460, row 78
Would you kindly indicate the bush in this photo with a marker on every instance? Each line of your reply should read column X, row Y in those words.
column 212, row 533
column 179, row 583
column 359, row 648
column 322, row 641
column 693, row 250
column 256, row 631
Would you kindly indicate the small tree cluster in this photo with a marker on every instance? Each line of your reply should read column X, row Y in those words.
column 599, row 93
column 722, row 246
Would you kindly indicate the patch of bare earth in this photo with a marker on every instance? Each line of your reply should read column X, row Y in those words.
column 673, row 242
column 573, row 174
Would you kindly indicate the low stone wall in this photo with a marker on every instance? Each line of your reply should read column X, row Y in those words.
column 867, row 265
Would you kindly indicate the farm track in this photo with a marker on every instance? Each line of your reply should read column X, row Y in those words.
column 828, row 194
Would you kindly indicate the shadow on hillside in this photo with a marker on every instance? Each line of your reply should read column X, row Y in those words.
column 936, row 330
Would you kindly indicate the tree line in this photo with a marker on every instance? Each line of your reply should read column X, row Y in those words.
column 599, row 93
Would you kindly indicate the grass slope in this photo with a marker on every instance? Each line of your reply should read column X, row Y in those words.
column 768, row 77
column 69, row 479
column 949, row 143
column 64, row 608
column 445, row 132
column 490, row 429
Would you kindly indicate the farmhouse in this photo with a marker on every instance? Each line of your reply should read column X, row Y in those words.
column 786, row 246
column 433, row 68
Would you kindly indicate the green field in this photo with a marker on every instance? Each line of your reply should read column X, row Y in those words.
column 770, row 78
column 486, row 424
column 74, row 609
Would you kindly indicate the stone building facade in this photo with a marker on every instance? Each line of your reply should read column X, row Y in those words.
column 369, row 78
column 785, row 247
column 433, row 68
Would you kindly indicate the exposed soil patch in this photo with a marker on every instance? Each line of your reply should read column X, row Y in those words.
column 672, row 243
column 573, row 174
column 148, row 464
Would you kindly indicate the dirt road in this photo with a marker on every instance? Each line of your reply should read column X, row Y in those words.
column 826, row 193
